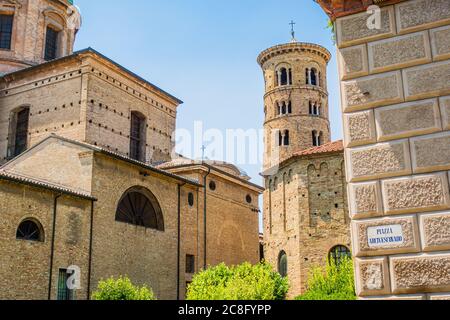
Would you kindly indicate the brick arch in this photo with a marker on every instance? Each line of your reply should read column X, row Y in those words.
column 230, row 237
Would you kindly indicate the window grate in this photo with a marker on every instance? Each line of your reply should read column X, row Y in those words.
column 64, row 293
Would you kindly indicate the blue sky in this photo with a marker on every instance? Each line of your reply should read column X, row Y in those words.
column 204, row 52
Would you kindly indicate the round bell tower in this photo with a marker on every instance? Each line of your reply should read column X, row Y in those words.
column 36, row 31
column 295, row 100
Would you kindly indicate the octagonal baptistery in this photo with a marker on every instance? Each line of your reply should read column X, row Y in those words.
column 295, row 100
column 35, row 31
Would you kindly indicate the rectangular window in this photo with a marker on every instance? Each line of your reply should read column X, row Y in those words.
column 6, row 26
column 64, row 293
column 190, row 263
column 137, row 139
column 51, row 44
column 21, row 138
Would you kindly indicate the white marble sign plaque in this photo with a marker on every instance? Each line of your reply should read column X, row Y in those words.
column 385, row 236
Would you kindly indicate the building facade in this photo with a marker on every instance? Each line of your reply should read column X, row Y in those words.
column 395, row 85
column 305, row 202
column 89, row 185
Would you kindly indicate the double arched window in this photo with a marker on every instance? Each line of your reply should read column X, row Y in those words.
column 30, row 230
column 317, row 138
column 283, row 76
column 312, row 77
column 139, row 207
column 283, row 264
column 283, row 138
column 283, row 107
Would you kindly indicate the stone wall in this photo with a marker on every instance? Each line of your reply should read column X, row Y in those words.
column 395, row 84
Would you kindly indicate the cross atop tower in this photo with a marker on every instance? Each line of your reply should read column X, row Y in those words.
column 292, row 24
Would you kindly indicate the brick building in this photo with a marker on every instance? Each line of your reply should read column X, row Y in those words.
column 87, row 176
column 305, row 202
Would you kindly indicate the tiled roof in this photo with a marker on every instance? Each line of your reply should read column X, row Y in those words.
column 335, row 146
column 5, row 175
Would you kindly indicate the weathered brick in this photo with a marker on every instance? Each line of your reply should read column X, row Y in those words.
column 354, row 29
column 364, row 231
column 399, row 52
column 421, row 273
column 427, row 81
column 415, row 194
column 366, row 200
column 359, row 128
column 431, row 152
column 373, row 277
column 421, row 14
column 353, row 62
column 440, row 43
column 408, row 119
column 378, row 161
column 435, row 231
column 371, row 91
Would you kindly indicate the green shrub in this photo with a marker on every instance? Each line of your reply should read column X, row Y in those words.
column 333, row 282
column 243, row 282
column 121, row 289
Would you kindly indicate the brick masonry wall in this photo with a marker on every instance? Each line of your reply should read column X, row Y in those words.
column 306, row 215
column 395, row 84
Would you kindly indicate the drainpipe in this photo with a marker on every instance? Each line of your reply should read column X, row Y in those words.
column 179, row 240
column 204, row 217
column 91, row 237
column 52, row 250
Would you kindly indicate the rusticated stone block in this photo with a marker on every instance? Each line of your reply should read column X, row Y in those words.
column 385, row 236
column 366, row 200
column 372, row 91
column 427, row 81
column 353, row 62
column 398, row 52
column 421, row 14
column 421, row 273
column 359, row 128
column 408, row 119
column 400, row 298
column 431, row 153
column 435, row 231
column 440, row 43
column 354, row 29
column 382, row 160
column 440, row 296
column 445, row 111
column 373, row 277
column 417, row 193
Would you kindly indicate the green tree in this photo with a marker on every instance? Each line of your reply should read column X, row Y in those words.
column 243, row 282
column 333, row 282
column 121, row 289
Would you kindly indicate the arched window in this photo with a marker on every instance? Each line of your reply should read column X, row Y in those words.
column 139, row 207
column 282, row 264
column 307, row 75
column 286, row 138
column 30, row 230
column 283, row 76
column 280, row 138
column 137, row 136
column 283, row 107
column 313, row 77
column 289, row 107
column 51, row 43
column 18, row 131
column 337, row 253
column 316, row 137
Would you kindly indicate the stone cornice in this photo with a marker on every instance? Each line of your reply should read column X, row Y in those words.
column 341, row 8
column 293, row 47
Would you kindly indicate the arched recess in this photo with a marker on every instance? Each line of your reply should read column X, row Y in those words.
column 140, row 207
column 18, row 131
